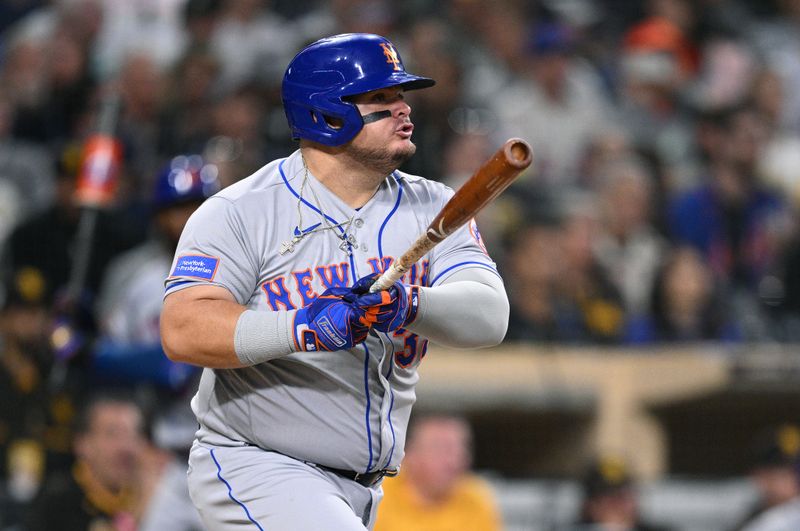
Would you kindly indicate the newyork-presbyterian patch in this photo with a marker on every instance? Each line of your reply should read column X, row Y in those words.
column 196, row 266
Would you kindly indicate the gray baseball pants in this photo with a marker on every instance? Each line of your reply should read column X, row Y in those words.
column 246, row 488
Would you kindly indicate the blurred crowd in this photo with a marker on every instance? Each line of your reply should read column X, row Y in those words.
column 662, row 204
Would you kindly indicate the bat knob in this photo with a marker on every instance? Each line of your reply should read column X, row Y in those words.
column 518, row 153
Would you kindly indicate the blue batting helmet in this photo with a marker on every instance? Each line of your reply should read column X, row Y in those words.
column 335, row 67
column 186, row 178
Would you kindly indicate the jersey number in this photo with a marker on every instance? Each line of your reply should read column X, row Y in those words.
column 414, row 348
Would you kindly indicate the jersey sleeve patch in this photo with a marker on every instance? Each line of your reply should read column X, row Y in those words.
column 476, row 235
column 196, row 266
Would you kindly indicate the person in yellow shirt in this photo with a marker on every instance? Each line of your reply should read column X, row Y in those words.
column 435, row 490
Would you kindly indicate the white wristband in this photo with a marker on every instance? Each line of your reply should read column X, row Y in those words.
column 263, row 336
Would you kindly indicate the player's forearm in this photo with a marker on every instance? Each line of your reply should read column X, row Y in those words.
column 224, row 335
column 200, row 332
column 469, row 311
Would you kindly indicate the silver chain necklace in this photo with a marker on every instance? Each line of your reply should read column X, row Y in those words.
column 348, row 240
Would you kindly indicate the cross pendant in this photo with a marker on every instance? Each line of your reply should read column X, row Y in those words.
column 287, row 247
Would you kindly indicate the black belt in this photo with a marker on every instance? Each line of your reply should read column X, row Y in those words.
column 365, row 479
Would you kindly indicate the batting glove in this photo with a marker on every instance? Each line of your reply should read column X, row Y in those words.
column 393, row 308
column 332, row 322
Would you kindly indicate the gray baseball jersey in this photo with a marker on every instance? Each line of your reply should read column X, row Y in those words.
column 347, row 409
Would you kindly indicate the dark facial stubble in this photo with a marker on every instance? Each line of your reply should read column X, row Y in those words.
column 381, row 159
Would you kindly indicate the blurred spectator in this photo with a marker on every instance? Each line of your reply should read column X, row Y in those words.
column 776, row 38
column 26, row 173
column 610, row 501
column 609, row 148
column 463, row 154
column 774, row 473
column 557, row 104
column 667, row 28
column 364, row 16
column 23, row 69
column 101, row 490
column 24, row 364
column 251, row 43
column 435, row 490
column 344, row 16
column 654, row 114
column 141, row 85
column 200, row 18
column 779, row 164
column 561, row 292
column 491, row 48
column 432, row 47
column 33, row 60
column 737, row 223
column 186, row 123
column 726, row 73
column 687, row 303
column 45, row 241
column 56, row 116
column 628, row 247
column 84, row 19
column 589, row 307
column 239, row 145
column 533, row 264
column 151, row 28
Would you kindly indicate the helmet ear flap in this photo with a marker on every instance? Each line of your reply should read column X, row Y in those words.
column 324, row 120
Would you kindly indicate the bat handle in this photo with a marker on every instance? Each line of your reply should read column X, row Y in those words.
column 389, row 277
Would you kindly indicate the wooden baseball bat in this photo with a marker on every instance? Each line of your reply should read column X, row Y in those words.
column 489, row 181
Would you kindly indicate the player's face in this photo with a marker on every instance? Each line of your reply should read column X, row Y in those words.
column 385, row 143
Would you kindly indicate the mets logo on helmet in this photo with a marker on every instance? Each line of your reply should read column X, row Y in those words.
column 391, row 55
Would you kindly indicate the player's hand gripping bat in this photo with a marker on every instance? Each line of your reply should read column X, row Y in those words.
column 489, row 181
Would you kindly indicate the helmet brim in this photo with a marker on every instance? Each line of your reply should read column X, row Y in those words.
column 419, row 83
column 403, row 79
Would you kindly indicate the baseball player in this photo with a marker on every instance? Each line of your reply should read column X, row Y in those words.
column 309, row 378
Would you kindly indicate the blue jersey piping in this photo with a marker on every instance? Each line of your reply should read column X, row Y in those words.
column 391, row 213
column 230, row 491
column 391, row 358
column 480, row 264
column 366, row 392
column 176, row 284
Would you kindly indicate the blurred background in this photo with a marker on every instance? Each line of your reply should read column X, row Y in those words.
column 650, row 253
